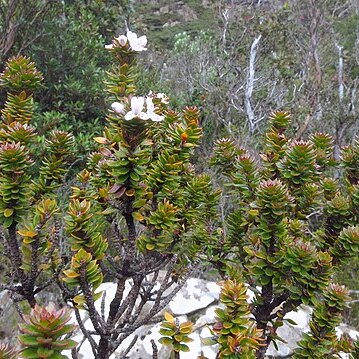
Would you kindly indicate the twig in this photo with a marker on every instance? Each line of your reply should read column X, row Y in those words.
column 103, row 301
column 125, row 352
column 96, row 319
column 85, row 332
column 154, row 349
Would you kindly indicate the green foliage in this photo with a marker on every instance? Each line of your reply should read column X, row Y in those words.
column 350, row 162
column 226, row 150
column 175, row 335
column 15, row 182
column 355, row 352
column 20, row 73
column 75, row 68
column 204, row 60
column 291, row 224
column 7, row 352
column 59, row 147
column 36, row 236
column 322, row 340
column 42, row 333
column 236, row 333
column 66, row 40
column 146, row 168
column 84, row 233
column 275, row 141
column 190, row 16
column 28, row 211
column 343, row 26
column 20, row 77
column 140, row 205
column 298, row 165
column 346, row 245
column 17, row 108
column 84, row 271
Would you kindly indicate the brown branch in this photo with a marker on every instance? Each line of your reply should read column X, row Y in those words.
column 159, row 304
column 126, row 318
column 115, row 303
column 132, row 296
column 103, row 301
column 85, row 332
column 130, row 346
column 96, row 320
column 154, row 349
column 14, row 252
column 74, row 353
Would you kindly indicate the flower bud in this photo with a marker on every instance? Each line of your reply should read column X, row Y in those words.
column 118, row 108
column 122, row 39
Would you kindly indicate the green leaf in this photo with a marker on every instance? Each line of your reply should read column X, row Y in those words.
column 208, row 341
column 165, row 341
column 64, row 344
column 184, row 348
column 167, row 332
column 150, row 246
column 275, row 345
column 28, row 340
column 291, row 321
column 29, row 353
column 169, row 317
column 109, row 210
column 79, row 299
column 97, row 296
column 44, row 352
column 8, row 222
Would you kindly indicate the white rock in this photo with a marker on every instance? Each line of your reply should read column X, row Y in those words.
column 195, row 294
column 291, row 333
column 206, row 319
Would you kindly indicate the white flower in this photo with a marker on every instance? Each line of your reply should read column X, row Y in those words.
column 136, row 109
column 118, row 107
column 151, row 111
column 136, row 43
column 163, row 97
column 122, row 39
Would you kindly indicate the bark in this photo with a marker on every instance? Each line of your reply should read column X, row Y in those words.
column 15, row 254
column 154, row 349
column 9, row 29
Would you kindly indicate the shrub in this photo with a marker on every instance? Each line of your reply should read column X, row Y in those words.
column 291, row 227
column 131, row 216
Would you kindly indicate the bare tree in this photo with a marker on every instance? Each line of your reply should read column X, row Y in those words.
column 19, row 17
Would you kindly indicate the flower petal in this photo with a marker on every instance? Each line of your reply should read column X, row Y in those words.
column 149, row 104
column 157, row 118
column 131, row 36
column 142, row 41
column 129, row 116
column 163, row 97
column 144, row 116
column 137, row 104
column 136, row 44
column 118, row 107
